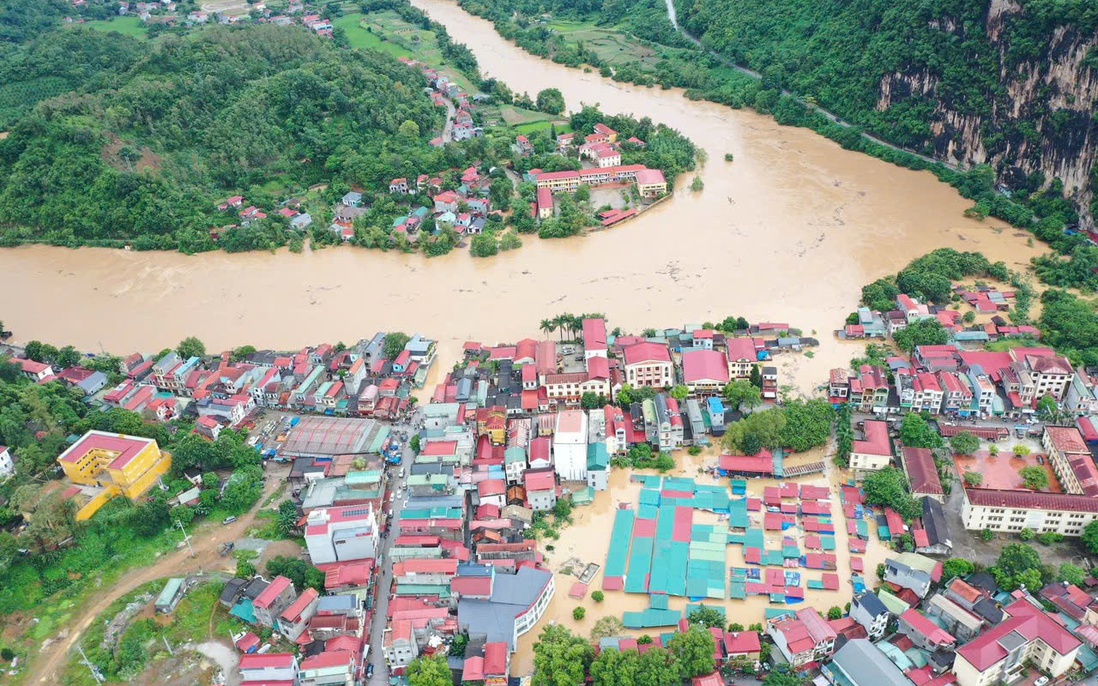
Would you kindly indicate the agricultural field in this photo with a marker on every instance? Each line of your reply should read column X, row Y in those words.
column 612, row 45
column 386, row 32
column 127, row 26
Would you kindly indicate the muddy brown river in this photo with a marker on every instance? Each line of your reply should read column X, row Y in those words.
column 789, row 231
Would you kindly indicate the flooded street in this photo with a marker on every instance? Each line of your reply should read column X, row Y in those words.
column 790, row 231
column 588, row 540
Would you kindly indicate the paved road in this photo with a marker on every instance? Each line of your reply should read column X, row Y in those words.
column 50, row 661
column 384, row 582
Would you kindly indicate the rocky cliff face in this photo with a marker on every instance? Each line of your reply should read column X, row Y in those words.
column 1043, row 118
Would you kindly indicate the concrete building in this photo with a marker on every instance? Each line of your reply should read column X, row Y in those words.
column 541, row 489
column 860, row 663
column 802, row 637
column 273, row 601
column 1070, row 458
column 1027, row 636
column 340, row 534
column 502, row 606
column 294, row 619
column 119, row 464
column 874, row 452
column 648, row 364
column 868, row 610
column 570, row 445
column 269, row 668
column 7, row 462
column 1013, row 511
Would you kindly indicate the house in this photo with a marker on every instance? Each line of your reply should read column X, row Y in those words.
column 742, row 646
column 523, row 146
column 352, row 199
column 7, row 462
column 648, row 365
column 330, row 668
column 570, row 445
column 598, row 464
column 1028, row 635
column 87, row 381
column 273, row 601
column 541, row 489
column 961, row 623
column 268, row 669
column 924, row 633
column 933, row 538
column 874, row 452
column 922, row 472
column 295, row 618
column 803, row 637
column 868, row 610
column 447, row 201
column 902, row 575
column 860, row 663
column 594, row 338
column 399, row 186
column 35, row 371
column 544, row 203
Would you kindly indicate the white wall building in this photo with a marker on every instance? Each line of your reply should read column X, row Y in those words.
column 570, row 445
column 339, row 534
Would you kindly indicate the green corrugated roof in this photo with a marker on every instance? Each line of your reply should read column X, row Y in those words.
column 379, row 439
column 363, row 478
column 598, row 457
column 514, row 455
column 170, row 590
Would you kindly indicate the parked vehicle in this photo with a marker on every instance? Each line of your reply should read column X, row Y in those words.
column 228, row 520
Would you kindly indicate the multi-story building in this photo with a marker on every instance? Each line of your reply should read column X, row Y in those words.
column 1012, row 511
column 742, row 357
column 1027, row 636
column 120, row 464
column 7, row 462
column 705, row 371
column 802, row 638
column 268, row 668
column 868, row 610
column 339, row 534
column 293, row 621
column 869, row 389
column 668, row 422
column 649, row 365
column 1050, row 373
column 274, row 600
column 875, row 451
column 1070, row 458
column 919, row 392
column 570, row 445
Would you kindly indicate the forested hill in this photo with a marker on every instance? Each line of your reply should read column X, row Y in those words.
column 1011, row 83
column 156, row 132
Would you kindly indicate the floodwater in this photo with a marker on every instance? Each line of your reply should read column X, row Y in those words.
column 588, row 540
column 790, row 231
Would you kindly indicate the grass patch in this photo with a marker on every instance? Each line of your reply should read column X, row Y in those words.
column 127, row 26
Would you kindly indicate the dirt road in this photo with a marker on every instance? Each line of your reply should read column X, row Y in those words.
column 49, row 663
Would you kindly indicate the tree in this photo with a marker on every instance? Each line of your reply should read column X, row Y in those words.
column 694, row 649
column 956, row 567
column 1072, row 574
column 191, row 347
column 742, row 394
column 606, row 627
column 560, row 657
column 807, row 424
column 756, row 378
column 964, row 443
column 1090, row 537
column 751, row 444
column 550, row 101
column 922, row 332
column 835, row 613
column 658, row 667
column 394, row 344
column 697, row 185
column 287, row 518
column 67, row 357
column 1021, row 451
column 915, row 432
column 782, row 676
column 1034, row 478
column 973, row 478
column 598, row 596
column 680, row 393
column 484, row 244
column 1019, row 565
column 578, row 613
column 889, row 488
column 429, row 671
column 1048, row 410
column 408, row 129
column 706, row 616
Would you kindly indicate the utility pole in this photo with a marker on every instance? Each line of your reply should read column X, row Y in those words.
column 91, row 667
column 167, row 645
column 186, row 538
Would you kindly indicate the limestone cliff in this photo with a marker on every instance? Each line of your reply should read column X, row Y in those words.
column 1042, row 118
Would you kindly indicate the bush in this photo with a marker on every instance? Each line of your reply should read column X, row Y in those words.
column 987, row 535
column 1050, row 537
column 579, row 613
column 1021, row 451
column 598, row 596
column 973, row 478
column 1027, row 535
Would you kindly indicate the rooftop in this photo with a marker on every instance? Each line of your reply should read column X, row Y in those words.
column 122, row 448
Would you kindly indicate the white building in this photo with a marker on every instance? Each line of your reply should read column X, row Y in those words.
column 269, row 668
column 649, row 364
column 339, row 534
column 570, row 445
column 7, row 462
column 1012, row 511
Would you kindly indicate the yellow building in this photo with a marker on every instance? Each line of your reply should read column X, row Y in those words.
column 120, row 464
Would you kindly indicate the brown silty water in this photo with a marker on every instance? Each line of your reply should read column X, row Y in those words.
column 790, row 231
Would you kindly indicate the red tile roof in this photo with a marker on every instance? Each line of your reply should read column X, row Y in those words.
column 294, row 611
column 495, row 659
column 741, row 349
column 876, row 440
column 1027, row 621
column 1027, row 500
column 540, row 481
column 704, row 365
column 271, row 593
column 928, row 629
column 922, row 471
column 268, row 661
column 647, row 352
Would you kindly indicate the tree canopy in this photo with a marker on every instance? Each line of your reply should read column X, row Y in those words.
column 429, row 671
column 560, row 657
column 889, row 487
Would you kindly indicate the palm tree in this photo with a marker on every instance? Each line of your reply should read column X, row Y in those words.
column 558, row 323
column 547, row 326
